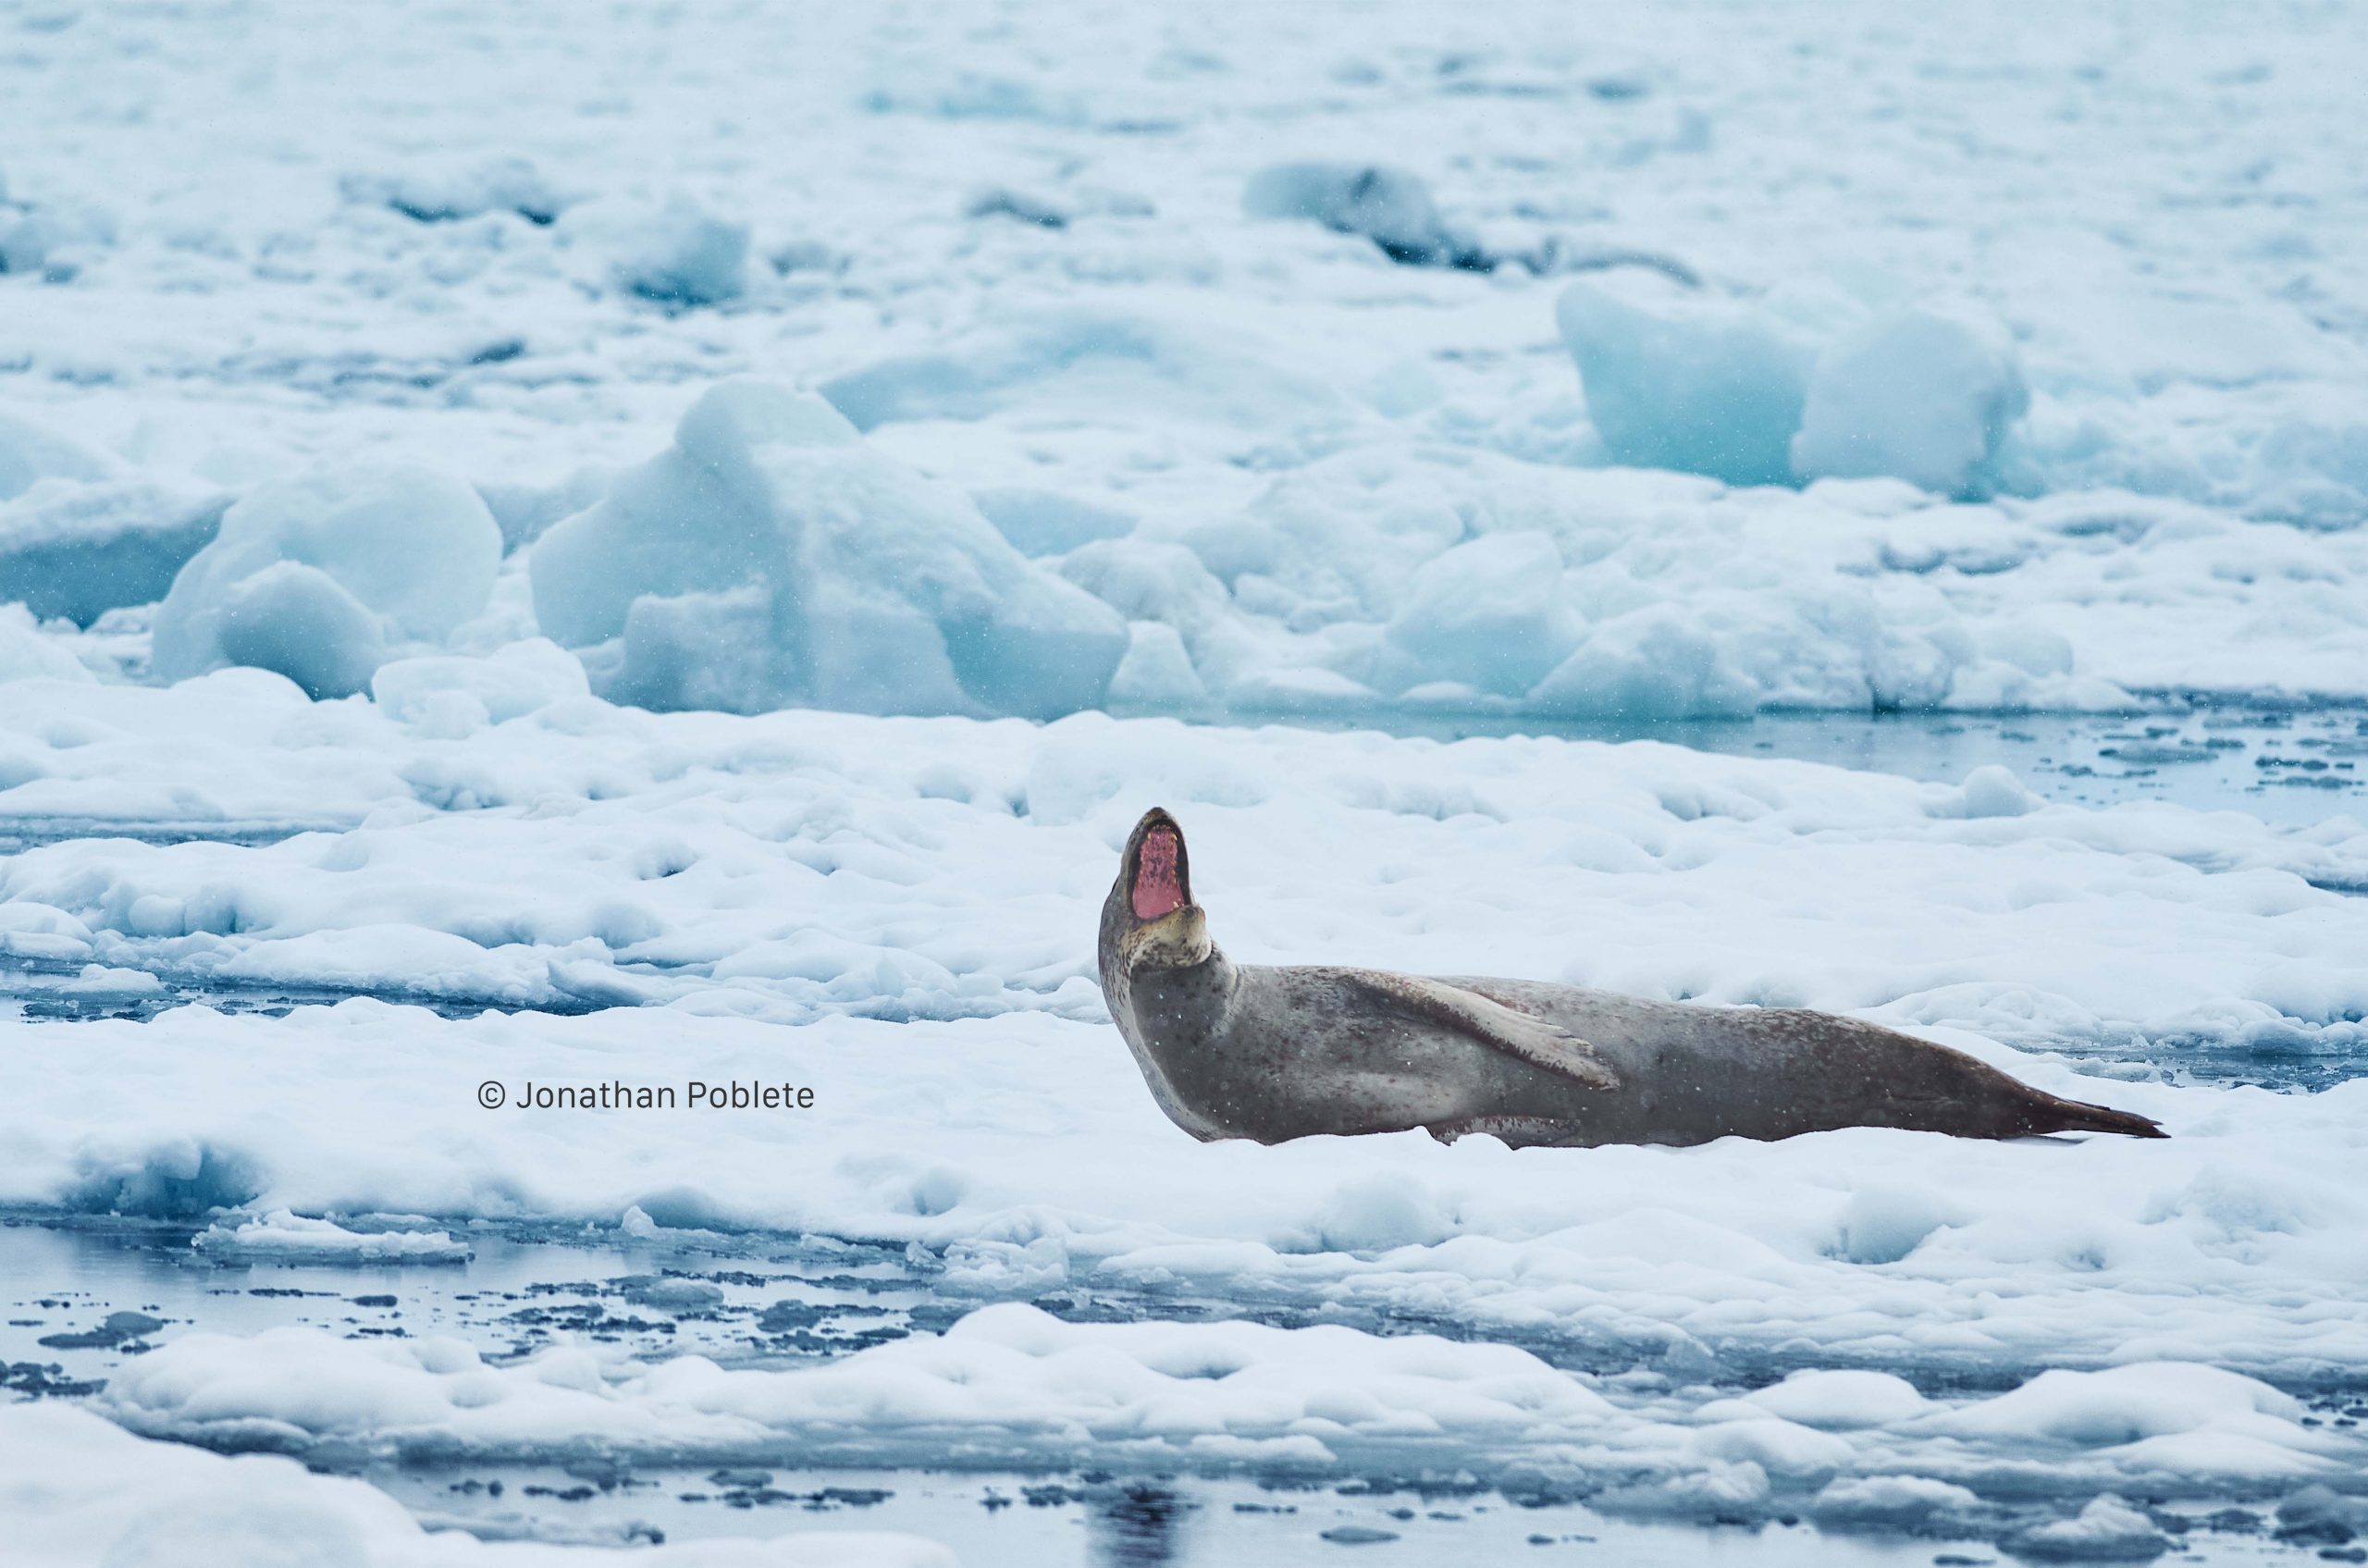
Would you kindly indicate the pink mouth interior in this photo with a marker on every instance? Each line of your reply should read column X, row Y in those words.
column 1158, row 886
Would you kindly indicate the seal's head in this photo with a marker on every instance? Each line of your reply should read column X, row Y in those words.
column 1168, row 987
column 1151, row 920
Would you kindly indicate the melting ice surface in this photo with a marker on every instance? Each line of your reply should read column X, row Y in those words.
column 678, row 1385
column 1869, row 514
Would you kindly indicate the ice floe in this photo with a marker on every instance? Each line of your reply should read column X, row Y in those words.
column 1011, row 1387
column 771, row 556
column 77, row 551
column 320, row 577
column 280, row 1236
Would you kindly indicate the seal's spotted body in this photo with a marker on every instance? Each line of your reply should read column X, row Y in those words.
column 1247, row 1051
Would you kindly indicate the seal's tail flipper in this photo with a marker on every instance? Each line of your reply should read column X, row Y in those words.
column 2079, row 1115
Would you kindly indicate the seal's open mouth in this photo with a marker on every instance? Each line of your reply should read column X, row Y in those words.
column 1159, row 879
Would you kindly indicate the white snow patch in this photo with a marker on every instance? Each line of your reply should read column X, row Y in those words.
column 452, row 695
column 446, row 192
column 1841, row 1401
column 1892, row 1502
column 2108, row 1530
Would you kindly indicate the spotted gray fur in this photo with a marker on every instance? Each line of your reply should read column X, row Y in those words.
column 1251, row 1051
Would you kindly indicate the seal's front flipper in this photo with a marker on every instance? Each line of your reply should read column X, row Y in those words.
column 1519, row 1132
column 1492, row 1024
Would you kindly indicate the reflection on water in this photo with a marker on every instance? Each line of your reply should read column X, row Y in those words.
column 50, row 990
column 1142, row 1525
column 20, row 834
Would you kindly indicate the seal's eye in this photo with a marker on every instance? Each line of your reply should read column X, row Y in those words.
column 1159, row 883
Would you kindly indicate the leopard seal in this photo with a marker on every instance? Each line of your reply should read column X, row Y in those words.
column 1251, row 1051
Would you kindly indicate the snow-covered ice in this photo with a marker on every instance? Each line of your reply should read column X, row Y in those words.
column 839, row 871
column 668, row 554
column 280, row 1235
column 1703, row 390
column 918, row 897
column 1010, row 1386
column 508, row 840
column 2082, row 449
